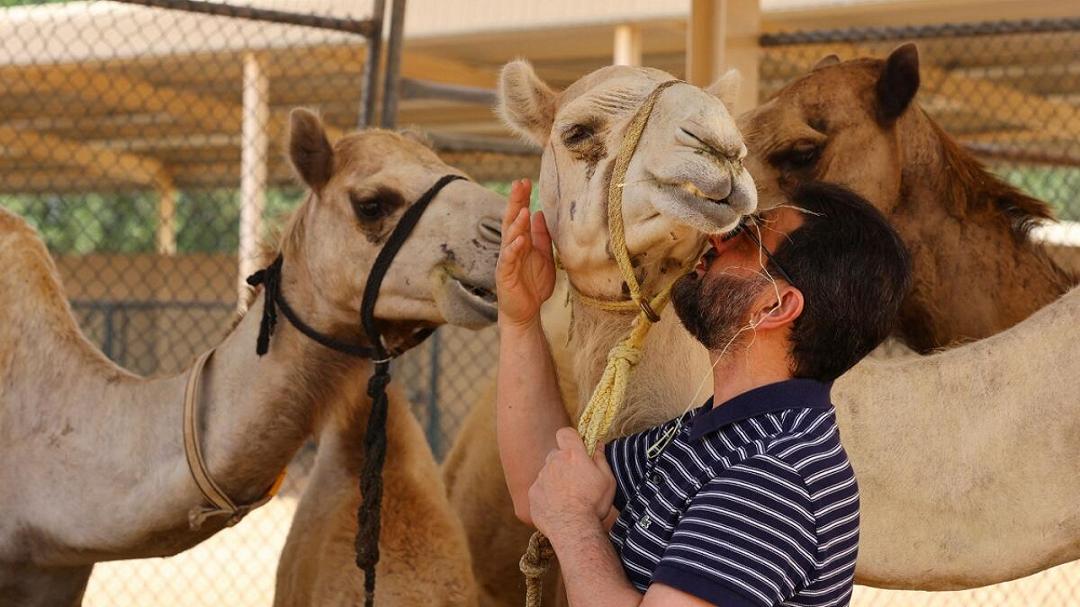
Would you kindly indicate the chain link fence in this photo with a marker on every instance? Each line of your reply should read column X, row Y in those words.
column 126, row 139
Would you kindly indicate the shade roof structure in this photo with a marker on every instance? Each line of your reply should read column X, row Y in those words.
column 103, row 95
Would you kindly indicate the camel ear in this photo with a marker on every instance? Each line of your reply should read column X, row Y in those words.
column 526, row 103
column 898, row 83
column 309, row 149
column 418, row 135
column 826, row 61
column 726, row 88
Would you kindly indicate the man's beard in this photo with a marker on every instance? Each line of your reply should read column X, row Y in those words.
column 715, row 310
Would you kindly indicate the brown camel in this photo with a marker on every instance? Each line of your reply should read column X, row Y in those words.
column 968, row 531
column 855, row 123
column 94, row 464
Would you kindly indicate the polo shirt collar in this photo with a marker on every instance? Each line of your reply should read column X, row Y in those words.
column 789, row 394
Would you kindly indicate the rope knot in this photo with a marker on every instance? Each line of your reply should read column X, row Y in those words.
column 377, row 384
column 534, row 564
column 270, row 279
column 625, row 352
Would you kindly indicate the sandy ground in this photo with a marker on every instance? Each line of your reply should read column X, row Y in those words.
column 236, row 569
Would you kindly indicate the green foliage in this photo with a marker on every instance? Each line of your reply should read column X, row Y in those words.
column 6, row 3
column 207, row 221
column 1058, row 186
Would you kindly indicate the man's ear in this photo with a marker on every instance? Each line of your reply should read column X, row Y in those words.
column 898, row 83
column 309, row 149
column 526, row 103
column 773, row 314
column 726, row 88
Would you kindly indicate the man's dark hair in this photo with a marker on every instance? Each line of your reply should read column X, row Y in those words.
column 853, row 271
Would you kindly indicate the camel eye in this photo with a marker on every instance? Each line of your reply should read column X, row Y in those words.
column 803, row 155
column 576, row 134
column 366, row 209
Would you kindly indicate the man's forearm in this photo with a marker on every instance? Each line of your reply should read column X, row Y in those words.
column 529, row 409
column 590, row 568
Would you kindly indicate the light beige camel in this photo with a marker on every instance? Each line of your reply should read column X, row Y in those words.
column 685, row 179
column 94, row 466
column 666, row 383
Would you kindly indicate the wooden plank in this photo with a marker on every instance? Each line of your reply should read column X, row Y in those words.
column 115, row 165
column 119, row 92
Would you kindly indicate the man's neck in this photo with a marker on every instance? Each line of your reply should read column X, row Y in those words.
column 741, row 371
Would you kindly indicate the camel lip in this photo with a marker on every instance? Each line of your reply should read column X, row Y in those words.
column 481, row 299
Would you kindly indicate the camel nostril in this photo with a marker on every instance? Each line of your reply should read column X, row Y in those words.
column 490, row 230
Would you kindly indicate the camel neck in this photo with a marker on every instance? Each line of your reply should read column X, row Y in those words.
column 977, row 275
column 92, row 433
column 673, row 373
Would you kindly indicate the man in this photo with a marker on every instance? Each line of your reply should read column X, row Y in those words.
column 748, row 500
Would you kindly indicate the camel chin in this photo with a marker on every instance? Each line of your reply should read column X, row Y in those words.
column 463, row 302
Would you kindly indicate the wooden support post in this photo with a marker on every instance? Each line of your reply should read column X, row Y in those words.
column 723, row 34
column 253, row 170
column 627, row 45
column 166, row 227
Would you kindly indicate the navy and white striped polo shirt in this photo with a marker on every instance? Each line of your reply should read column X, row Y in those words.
column 751, row 503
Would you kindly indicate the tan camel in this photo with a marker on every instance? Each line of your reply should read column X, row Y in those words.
column 854, row 123
column 94, row 466
column 424, row 554
column 667, row 381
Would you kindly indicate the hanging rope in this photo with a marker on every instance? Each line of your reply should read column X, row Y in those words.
column 610, row 392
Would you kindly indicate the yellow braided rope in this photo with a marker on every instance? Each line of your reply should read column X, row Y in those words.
column 610, row 392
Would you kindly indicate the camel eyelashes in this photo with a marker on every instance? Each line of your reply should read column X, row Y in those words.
column 365, row 209
column 802, row 155
column 576, row 133
column 372, row 206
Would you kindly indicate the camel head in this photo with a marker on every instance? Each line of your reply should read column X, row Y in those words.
column 686, row 179
column 840, row 123
column 360, row 187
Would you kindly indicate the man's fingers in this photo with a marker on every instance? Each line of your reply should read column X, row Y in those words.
column 514, row 203
column 541, row 238
column 518, row 228
column 601, row 458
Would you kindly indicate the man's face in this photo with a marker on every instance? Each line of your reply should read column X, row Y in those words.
column 719, row 299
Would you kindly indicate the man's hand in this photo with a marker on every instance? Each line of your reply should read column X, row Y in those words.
column 525, row 276
column 572, row 490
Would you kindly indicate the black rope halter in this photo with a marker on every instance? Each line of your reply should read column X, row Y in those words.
column 368, row 515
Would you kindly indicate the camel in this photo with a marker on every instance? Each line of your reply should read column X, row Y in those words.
column 317, row 564
column 969, row 506
column 855, row 123
column 94, row 462
column 425, row 557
